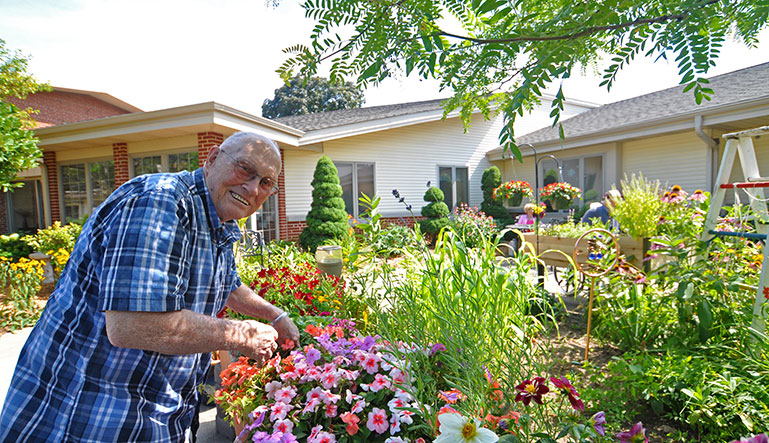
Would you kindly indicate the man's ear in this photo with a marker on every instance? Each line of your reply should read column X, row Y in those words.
column 212, row 154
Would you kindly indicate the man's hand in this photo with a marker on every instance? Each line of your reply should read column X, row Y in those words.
column 258, row 340
column 287, row 332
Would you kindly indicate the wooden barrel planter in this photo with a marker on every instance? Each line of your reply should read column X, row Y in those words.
column 632, row 249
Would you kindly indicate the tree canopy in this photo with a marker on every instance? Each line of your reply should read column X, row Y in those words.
column 500, row 55
column 18, row 145
column 301, row 96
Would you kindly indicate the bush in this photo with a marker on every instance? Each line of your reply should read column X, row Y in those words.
column 491, row 179
column 13, row 248
column 435, row 211
column 55, row 237
column 473, row 226
column 327, row 219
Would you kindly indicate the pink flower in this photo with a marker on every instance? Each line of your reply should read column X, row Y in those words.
column 567, row 389
column 279, row 411
column 377, row 421
column 358, row 406
column 380, row 382
column 272, row 387
column 314, row 433
column 759, row 438
column 325, row 437
column 636, row 435
column 285, row 394
column 285, row 426
column 331, row 410
column 532, row 389
column 371, row 364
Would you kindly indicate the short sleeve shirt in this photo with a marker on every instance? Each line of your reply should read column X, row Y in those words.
column 155, row 245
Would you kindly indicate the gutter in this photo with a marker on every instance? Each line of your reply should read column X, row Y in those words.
column 713, row 145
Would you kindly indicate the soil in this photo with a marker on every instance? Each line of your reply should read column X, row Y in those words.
column 569, row 354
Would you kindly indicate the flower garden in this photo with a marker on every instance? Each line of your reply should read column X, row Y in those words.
column 455, row 342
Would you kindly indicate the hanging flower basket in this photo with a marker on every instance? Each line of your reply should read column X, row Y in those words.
column 513, row 191
column 560, row 195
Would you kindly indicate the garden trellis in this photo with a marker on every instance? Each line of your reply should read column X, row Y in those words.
column 741, row 143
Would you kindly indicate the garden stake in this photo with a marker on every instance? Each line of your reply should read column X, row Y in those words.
column 599, row 256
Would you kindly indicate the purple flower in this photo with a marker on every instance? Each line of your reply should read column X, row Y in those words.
column 599, row 419
column 367, row 343
column 636, row 435
column 312, row 356
column 437, row 348
column 759, row 438
column 257, row 421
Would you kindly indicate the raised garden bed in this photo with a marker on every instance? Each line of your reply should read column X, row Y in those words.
column 546, row 245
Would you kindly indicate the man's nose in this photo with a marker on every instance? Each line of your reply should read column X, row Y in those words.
column 253, row 185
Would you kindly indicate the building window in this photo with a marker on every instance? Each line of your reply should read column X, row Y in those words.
column 585, row 173
column 25, row 208
column 356, row 179
column 182, row 161
column 81, row 191
column 453, row 181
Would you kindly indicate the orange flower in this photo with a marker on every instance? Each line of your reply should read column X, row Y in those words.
column 352, row 422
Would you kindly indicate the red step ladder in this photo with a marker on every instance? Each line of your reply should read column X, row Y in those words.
column 741, row 143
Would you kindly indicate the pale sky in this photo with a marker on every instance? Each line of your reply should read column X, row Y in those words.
column 157, row 54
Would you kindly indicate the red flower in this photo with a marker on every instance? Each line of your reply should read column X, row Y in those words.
column 531, row 390
column 567, row 389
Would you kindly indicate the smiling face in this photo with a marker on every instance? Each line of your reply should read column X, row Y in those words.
column 233, row 196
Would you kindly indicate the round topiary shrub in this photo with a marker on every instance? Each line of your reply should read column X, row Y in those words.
column 327, row 219
column 435, row 211
column 490, row 180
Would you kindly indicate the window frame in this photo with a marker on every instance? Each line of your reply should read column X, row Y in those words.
column 581, row 185
column 164, row 162
column 355, row 190
column 88, row 184
column 454, row 200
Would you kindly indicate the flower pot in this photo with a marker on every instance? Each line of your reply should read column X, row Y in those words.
column 560, row 203
column 515, row 200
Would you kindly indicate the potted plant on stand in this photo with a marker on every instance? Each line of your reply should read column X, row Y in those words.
column 560, row 194
column 513, row 191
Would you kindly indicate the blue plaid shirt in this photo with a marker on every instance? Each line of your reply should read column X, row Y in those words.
column 155, row 245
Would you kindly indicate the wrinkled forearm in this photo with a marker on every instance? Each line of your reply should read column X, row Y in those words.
column 173, row 333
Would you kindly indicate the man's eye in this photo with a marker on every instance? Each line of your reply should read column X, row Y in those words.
column 268, row 183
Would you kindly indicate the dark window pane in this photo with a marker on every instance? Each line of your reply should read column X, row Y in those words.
column 146, row 165
column 462, row 186
column 593, row 179
column 102, row 181
column 445, row 183
column 345, row 179
column 73, row 191
column 185, row 161
column 365, row 179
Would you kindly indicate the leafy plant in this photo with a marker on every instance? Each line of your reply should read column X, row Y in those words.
column 559, row 190
column 435, row 211
column 473, row 226
column 13, row 247
column 55, row 237
column 638, row 212
column 490, row 180
column 21, row 281
column 513, row 188
column 327, row 219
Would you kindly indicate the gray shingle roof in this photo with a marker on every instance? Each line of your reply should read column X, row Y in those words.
column 330, row 119
column 732, row 88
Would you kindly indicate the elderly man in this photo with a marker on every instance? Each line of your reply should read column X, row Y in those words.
column 602, row 211
column 125, row 339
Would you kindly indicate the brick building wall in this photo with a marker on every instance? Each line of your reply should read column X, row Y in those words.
column 283, row 226
column 4, row 228
column 206, row 141
column 120, row 159
column 49, row 159
column 59, row 107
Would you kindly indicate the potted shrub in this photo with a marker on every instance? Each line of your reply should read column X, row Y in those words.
column 513, row 191
column 559, row 194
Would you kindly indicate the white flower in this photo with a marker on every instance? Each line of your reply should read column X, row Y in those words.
column 457, row 429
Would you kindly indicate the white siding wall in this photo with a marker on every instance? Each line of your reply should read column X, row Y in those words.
column 679, row 159
column 404, row 159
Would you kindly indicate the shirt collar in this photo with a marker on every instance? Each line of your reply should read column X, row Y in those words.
column 226, row 232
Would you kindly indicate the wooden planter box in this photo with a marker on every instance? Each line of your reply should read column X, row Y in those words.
column 632, row 249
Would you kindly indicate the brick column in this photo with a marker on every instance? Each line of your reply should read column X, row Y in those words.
column 282, row 219
column 120, row 159
column 206, row 141
column 4, row 228
column 49, row 159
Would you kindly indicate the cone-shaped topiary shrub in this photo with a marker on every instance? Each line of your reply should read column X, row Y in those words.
column 436, row 212
column 491, row 179
column 327, row 218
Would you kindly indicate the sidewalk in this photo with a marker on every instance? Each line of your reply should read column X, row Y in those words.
column 10, row 348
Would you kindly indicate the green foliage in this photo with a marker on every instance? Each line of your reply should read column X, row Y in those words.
column 55, row 237
column 13, row 247
column 18, row 145
column 473, row 226
column 489, row 181
column 639, row 212
column 316, row 94
column 20, row 281
column 327, row 219
column 502, row 55
column 435, row 211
